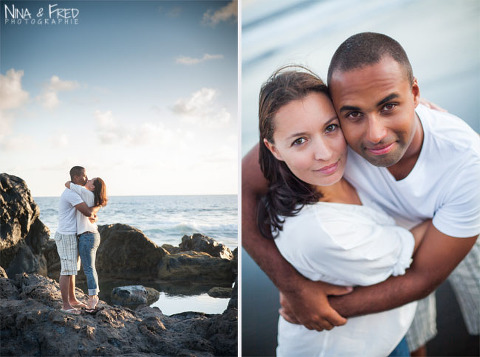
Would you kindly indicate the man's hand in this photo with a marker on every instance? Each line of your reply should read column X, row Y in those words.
column 431, row 105
column 310, row 307
column 93, row 218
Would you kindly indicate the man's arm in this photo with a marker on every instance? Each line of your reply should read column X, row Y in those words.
column 308, row 299
column 89, row 212
column 435, row 259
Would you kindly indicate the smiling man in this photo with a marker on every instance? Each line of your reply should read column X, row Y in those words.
column 415, row 162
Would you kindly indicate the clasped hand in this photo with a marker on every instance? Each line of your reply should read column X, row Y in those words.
column 309, row 305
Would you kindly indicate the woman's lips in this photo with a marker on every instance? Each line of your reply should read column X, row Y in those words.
column 330, row 169
column 380, row 150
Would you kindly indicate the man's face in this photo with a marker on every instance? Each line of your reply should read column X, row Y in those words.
column 81, row 179
column 376, row 107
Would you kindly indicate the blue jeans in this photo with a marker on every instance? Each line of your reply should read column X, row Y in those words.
column 401, row 350
column 87, row 248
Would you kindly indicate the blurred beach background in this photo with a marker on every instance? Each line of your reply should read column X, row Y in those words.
column 442, row 40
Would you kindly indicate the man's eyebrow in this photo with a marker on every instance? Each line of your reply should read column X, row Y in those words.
column 349, row 107
column 387, row 99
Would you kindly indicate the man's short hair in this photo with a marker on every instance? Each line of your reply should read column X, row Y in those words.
column 76, row 171
column 365, row 49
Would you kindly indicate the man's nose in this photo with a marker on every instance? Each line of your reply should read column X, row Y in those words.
column 376, row 130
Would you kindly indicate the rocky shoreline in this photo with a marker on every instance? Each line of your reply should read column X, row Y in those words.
column 32, row 324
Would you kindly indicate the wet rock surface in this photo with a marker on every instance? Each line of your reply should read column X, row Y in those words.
column 31, row 321
column 32, row 324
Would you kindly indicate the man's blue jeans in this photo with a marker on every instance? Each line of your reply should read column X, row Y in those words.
column 87, row 248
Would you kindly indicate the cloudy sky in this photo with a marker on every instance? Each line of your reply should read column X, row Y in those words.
column 141, row 93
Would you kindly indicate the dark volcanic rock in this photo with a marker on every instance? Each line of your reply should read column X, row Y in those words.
column 200, row 243
column 126, row 253
column 32, row 324
column 22, row 235
column 195, row 266
column 219, row 292
column 134, row 295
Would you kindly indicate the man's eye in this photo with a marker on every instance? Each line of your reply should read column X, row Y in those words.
column 389, row 106
column 354, row 115
column 299, row 141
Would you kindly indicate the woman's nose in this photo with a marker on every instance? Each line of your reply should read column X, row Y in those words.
column 322, row 150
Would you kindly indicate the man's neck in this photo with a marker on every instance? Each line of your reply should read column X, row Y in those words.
column 406, row 164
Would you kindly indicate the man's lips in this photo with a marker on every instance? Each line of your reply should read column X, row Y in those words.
column 330, row 169
column 380, row 149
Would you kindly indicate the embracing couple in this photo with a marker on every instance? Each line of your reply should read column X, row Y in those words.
column 77, row 234
column 361, row 231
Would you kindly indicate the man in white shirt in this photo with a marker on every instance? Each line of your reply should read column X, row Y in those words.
column 66, row 239
column 415, row 163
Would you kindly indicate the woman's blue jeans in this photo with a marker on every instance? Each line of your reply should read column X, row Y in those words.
column 401, row 350
column 87, row 248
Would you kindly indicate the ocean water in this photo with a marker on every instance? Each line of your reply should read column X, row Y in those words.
column 164, row 220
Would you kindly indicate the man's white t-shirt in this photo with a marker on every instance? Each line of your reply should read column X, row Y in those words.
column 67, row 222
column 83, row 223
column 444, row 183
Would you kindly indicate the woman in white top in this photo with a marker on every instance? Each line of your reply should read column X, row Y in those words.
column 94, row 193
column 321, row 225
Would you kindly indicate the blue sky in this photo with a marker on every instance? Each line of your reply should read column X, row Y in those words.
column 141, row 93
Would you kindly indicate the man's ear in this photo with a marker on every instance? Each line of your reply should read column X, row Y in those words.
column 415, row 92
column 270, row 146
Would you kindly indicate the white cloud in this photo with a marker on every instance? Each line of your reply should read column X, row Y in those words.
column 110, row 131
column 16, row 143
column 59, row 140
column 12, row 96
column 49, row 96
column 230, row 11
column 201, row 108
column 191, row 61
column 175, row 12
column 11, row 93
column 105, row 120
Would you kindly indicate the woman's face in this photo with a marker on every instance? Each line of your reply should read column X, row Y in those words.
column 90, row 185
column 308, row 138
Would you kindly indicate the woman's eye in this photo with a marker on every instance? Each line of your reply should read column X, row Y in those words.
column 298, row 141
column 331, row 127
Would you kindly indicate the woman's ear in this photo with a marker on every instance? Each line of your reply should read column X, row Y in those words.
column 270, row 146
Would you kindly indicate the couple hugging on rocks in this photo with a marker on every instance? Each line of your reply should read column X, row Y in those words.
column 77, row 236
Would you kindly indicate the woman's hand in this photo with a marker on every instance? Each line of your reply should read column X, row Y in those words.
column 310, row 307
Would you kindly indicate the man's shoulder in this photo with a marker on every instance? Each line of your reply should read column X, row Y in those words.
column 69, row 195
column 448, row 133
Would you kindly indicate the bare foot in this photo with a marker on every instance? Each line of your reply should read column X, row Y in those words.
column 92, row 302
column 79, row 305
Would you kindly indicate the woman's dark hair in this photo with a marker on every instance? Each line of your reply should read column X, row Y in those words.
column 286, row 193
column 100, row 192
